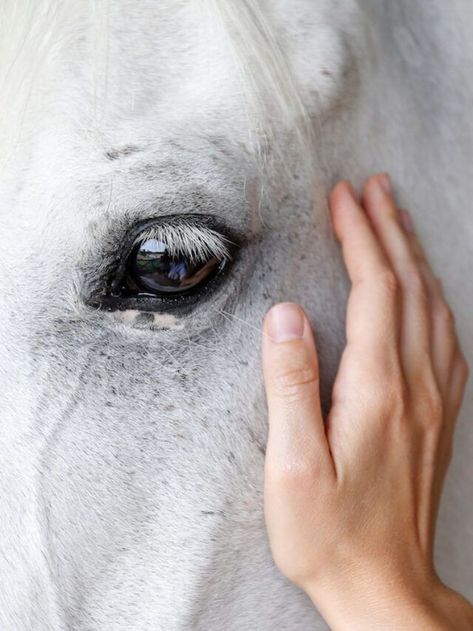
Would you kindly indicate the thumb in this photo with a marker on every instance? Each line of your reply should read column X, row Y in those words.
column 297, row 440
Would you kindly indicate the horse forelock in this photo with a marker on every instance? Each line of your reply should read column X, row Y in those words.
column 35, row 34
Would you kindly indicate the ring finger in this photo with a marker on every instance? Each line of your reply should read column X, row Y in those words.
column 444, row 340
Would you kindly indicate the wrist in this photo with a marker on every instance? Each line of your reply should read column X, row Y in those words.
column 375, row 600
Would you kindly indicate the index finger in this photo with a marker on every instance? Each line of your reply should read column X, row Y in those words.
column 373, row 316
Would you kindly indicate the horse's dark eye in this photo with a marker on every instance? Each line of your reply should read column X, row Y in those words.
column 169, row 264
column 153, row 268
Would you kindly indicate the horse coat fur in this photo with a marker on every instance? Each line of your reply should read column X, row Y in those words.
column 132, row 447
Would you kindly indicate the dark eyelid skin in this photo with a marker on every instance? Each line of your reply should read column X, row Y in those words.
column 107, row 295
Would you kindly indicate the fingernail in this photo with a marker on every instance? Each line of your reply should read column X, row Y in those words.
column 285, row 322
column 406, row 221
column 386, row 184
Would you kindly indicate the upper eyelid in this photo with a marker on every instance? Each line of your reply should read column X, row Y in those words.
column 196, row 242
column 206, row 224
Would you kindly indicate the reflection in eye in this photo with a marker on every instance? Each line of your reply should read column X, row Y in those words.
column 152, row 268
column 175, row 259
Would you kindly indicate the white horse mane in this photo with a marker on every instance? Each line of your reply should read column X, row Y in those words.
column 32, row 32
column 271, row 93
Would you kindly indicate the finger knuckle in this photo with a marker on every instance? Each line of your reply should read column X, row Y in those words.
column 387, row 400
column 464, row 368
column 445, row 316
column 293, row 475
column 431, row 407
column 394, row 403
column 388, row 282
column 296, row 384
column 415, row 283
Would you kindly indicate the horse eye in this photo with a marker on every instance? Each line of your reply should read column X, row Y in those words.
column 153, row 268
column 168, row 265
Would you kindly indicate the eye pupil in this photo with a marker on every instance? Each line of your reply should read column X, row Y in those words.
column 151, row 268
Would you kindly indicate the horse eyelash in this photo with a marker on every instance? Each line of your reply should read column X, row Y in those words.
column 197, row 243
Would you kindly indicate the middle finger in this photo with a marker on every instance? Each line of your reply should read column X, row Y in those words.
column 416, row 307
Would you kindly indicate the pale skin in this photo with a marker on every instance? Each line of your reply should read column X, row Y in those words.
column 351, row 501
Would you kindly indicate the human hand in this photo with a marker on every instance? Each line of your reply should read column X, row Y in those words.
column 351, row 504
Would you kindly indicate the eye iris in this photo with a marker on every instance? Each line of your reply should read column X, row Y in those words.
column 153, row 269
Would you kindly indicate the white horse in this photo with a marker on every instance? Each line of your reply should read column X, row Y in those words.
column 163, row 174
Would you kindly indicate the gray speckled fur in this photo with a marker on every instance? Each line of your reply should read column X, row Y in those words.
column 131, row 458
